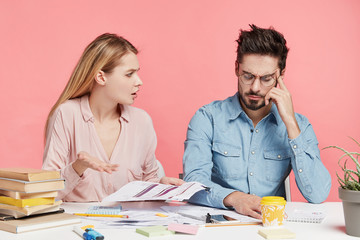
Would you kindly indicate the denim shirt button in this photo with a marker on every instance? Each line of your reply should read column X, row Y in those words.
column 300, row 170
column 294, row 146
column 257, row 130
column 252, row 152
column 225, row 152
column 279, row 156
column 251, row 174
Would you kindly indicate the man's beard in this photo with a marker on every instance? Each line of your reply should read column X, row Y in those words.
column 253, row 104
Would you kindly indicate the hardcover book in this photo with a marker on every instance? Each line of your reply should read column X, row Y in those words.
column 18, row 212
column 39, row 222
column 30, row 187
column 23, row 195
column 28, row 174
column 26, row 202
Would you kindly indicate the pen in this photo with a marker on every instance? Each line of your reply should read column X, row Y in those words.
column 100, row 215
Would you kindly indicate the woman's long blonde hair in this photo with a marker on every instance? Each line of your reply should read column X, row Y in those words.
column 104, row 53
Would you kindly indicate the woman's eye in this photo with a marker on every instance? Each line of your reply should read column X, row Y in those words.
column 129, row 74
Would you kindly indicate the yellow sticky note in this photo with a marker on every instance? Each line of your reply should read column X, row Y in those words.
column 276, row 233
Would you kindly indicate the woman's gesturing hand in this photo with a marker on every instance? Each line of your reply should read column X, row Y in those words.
column 85, row 160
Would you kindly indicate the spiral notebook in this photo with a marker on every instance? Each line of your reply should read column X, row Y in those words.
column 305, row 214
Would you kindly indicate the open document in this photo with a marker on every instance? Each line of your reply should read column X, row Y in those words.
column 140, row 191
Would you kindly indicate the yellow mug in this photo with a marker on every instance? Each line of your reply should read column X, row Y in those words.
column 272, row 211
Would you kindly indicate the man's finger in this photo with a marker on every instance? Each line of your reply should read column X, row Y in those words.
column 254, row 214
column 267, row 97
column 281, row 83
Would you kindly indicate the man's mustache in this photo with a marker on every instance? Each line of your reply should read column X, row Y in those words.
column 254, row 94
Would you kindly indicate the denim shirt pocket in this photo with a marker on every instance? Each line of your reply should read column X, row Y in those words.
column 227, row 161
column 277, row 163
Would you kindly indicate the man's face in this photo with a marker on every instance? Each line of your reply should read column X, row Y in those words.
column 263, row 69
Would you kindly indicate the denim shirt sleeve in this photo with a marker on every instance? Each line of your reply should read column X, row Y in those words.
column 312, row 178
column 197, row 160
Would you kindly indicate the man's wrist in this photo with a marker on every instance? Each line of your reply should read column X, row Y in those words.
column 293, row 129
column 230, row 200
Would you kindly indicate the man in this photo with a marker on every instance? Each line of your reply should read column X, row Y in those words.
column 244, row 147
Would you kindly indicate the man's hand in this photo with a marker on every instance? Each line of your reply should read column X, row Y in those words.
column 245, row 204
column 85, row 161
column 171, row 181
column 282, row 98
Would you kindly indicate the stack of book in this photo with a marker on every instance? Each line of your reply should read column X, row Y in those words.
column 29, row 195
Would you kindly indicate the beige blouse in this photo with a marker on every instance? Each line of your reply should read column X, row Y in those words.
column 71, row 130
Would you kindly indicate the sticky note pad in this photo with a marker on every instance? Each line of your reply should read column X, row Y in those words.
column 276, row 233
column 154, row 231
column 183, row 228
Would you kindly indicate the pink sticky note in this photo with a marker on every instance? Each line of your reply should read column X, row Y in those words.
column 183, row 228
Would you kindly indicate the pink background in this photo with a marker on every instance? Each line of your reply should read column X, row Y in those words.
column 187, row 54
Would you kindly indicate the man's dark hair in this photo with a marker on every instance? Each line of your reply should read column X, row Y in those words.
column 262, row 41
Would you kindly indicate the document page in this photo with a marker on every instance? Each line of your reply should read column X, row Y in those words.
column 141, row 191
column 200, row 212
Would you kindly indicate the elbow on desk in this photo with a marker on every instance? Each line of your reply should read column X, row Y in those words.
column 319, row 195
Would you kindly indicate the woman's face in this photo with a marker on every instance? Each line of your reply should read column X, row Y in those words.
column 123, row 82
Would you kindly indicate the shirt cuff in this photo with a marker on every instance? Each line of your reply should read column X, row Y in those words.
column 211, row 198
column 298, row 144
column 221, row 195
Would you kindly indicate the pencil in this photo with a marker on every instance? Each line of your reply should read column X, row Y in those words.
column 100, row 215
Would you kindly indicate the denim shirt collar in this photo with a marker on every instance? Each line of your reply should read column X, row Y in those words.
column 235, row 110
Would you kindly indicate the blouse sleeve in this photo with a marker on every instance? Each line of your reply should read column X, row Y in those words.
column 56, row 153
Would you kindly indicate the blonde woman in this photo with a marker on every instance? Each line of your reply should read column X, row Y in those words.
column 93, row 136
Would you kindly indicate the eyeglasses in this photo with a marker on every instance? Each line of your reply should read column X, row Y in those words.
column 266, row 80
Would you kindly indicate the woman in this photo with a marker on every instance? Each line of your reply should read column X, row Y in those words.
column 97, row 141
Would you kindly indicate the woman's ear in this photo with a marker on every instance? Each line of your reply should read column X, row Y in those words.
column 100, row 78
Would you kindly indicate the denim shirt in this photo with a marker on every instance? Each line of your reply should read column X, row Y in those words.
column 224, row 151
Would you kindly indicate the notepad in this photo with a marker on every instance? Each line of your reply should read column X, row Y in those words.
column 106, row 210
column 276, row 233
column 305, row 216
column 183, row 228
column 154, row 231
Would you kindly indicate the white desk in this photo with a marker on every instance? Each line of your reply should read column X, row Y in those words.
column 333, row 227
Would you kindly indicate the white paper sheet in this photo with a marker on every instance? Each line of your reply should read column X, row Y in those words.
column 140, row 191
column 200, row 212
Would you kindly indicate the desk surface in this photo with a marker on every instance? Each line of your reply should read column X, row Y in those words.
column 332, row 227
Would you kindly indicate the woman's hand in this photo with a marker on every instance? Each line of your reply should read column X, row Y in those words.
column 85, row 161
column 171, row 181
